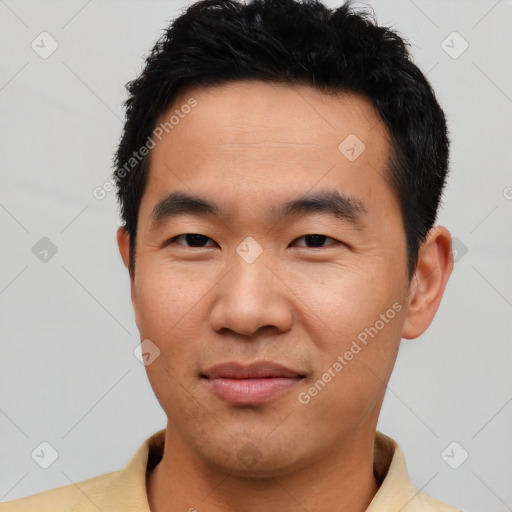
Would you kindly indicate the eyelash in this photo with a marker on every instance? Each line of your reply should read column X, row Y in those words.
column 172, row 240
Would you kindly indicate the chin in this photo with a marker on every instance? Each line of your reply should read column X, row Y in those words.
column 259, row 471
column 247, row 461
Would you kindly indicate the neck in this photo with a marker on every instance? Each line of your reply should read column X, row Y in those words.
column 342, row 479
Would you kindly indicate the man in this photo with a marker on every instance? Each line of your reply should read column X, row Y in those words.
column 254, row 133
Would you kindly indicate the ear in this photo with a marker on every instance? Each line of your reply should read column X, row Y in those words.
column 435, row 264
column 123, row 242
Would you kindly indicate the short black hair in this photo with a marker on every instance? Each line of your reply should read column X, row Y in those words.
column 214, row 42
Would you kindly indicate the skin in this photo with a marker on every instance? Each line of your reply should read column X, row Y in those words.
column 248, row 145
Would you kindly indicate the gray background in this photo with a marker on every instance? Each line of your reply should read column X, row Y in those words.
column 68, row 374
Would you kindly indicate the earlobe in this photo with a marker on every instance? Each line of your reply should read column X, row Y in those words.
column 435, row 264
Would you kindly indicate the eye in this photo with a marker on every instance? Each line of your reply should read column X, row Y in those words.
column 198, row 241
column 317, row 241
column 194, row 239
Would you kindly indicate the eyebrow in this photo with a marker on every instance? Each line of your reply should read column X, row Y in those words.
column 328, row 202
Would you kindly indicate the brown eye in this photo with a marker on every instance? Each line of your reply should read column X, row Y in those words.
column 193, row 239
column 316, row 241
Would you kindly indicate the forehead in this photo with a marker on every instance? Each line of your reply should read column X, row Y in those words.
column 251, row 141
column 256, row 111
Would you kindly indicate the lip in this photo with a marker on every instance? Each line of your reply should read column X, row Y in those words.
column 252, row 384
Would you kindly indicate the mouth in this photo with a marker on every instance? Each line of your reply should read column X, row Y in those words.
column 253, row 384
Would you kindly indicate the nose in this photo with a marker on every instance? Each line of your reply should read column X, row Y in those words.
column 249, row 298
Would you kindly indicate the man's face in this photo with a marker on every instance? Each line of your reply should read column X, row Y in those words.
column 254, row 288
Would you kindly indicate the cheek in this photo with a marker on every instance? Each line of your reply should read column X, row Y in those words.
column 170, row 313
column 343, row 300
column 358, row 316
column 351, row 379
column 173, row 314
column 167, row 299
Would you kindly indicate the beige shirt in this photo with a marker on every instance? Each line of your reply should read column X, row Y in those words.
column 125, row 490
